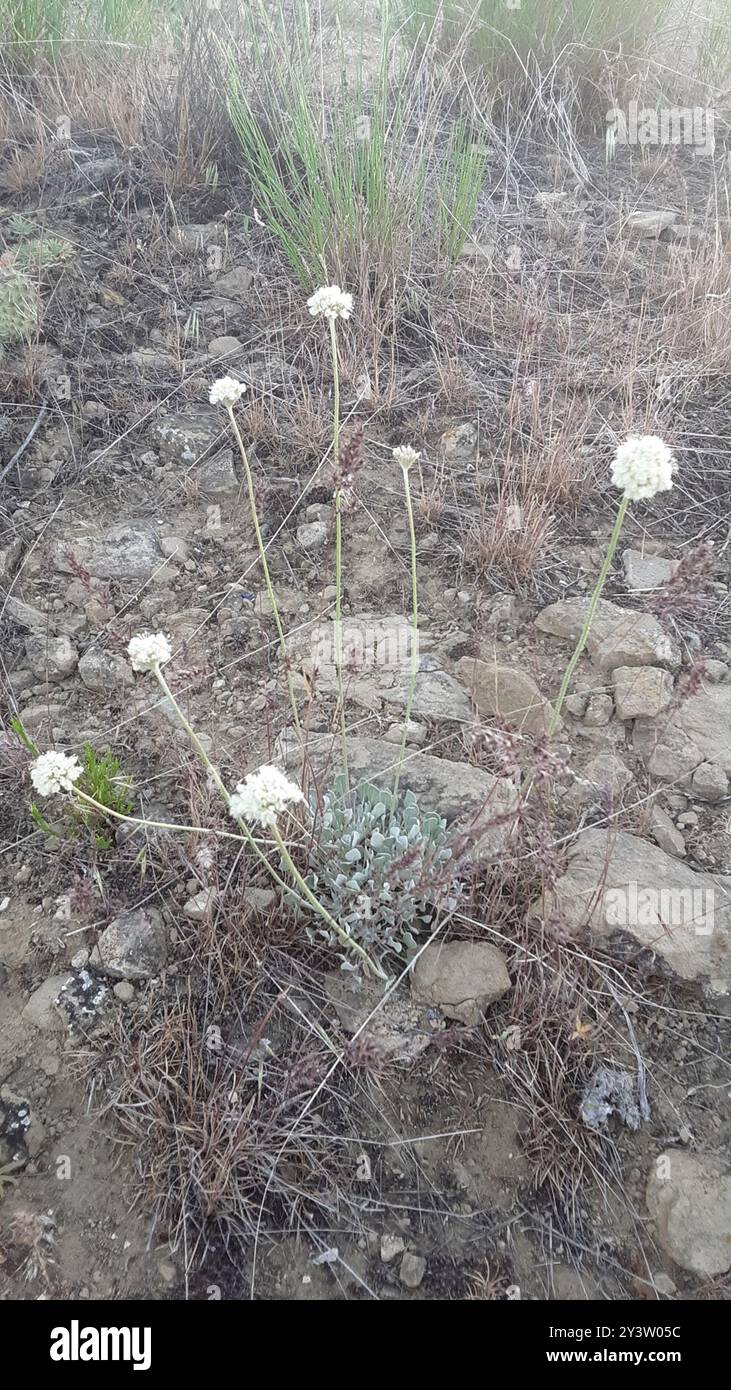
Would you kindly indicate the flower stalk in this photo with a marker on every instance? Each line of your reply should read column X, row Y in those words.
column 265, row 567
column 641, row 467
column 406, row 457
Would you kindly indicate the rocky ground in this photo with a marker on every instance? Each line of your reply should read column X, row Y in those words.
column 543, row 1110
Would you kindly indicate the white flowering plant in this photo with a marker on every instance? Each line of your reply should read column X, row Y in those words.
column 642, row 467
column 96, row 779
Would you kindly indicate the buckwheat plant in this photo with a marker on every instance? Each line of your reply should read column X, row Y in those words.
column 332, row 303
column 642, row 467
column 263, row 799
column 406, row 457
column 227, row 392
column 381, row 865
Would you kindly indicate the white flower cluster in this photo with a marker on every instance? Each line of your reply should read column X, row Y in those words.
column 263, row 796
column 331, row 302
column 643, row 466
column 226, row 391
column 148, row 650
column 406, row 456
column 55, row 772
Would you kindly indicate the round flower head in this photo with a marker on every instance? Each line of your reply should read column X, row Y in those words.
column 226, row 391
column 148, row 650
column 331, row 302
column 54, row 772
column 642, row 467
column 406, row 456
column 263, row 796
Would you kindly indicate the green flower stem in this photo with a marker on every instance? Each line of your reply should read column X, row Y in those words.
column 313, row 901
column 212, row 771
column 591, row 611
column 188, row 830
column 414, row 632
column 338, row 553
column 265, row 566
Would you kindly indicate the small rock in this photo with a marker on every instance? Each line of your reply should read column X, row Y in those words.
column 41, row 1008
column 644, row 572
column 461, row 978
column 664, row 833
column 175, row 548
column 187, row 436
column 391, row 1246
column 261, row 899
column 105, row 672
column 689, row 1199
column 124, row 991
column 651, row 222
column 412, row 1271
column 715, row 671
column 236, row 282
column 641, row 691
column 575, row 705
column 665, row 1285
column 9, row 557
column 133, row 946
column 225, row 348
column 319, row 511
column 415, row 733
column 217, row 477
column 51, row 658
column 201, row 906
column 604, row 777
column 598, row 710
column 312, row 535
column 507, row 694
column 709, row 783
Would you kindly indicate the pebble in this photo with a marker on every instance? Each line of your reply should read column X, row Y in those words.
column 412, row 1271
column 124, row 991
column 391, row 1246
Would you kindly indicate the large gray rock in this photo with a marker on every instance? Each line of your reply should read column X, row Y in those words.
column 699, row 731
column 460, row 978
column 132, row 947
column 51, row 658
column 469, row 798
column 689, row 1199
column 616, row 882
column 618, row 636
column 504, row 693
column 128, row 551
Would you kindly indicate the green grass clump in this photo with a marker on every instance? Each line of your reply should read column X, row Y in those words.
column 515, row 41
